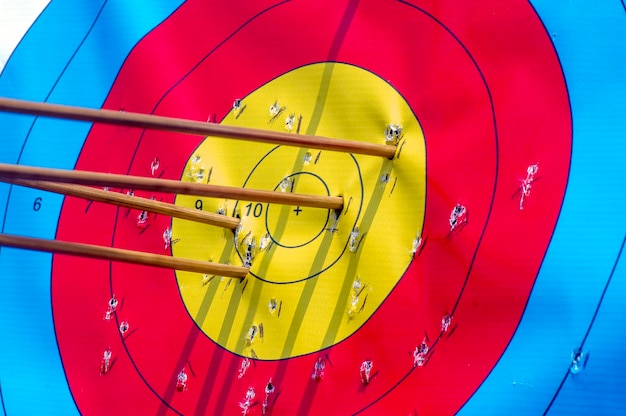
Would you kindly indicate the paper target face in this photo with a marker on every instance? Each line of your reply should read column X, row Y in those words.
column 478, row 271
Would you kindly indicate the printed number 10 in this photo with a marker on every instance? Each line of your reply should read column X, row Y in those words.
column 257, row 211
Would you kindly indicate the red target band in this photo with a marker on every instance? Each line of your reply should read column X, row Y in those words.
column 485, row 116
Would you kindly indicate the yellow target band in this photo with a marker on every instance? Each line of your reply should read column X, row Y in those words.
column 316, row 276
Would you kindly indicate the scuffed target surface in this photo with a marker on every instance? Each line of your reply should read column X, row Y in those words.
column 495, row 89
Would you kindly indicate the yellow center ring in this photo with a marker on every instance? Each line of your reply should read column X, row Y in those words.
column 316, row 276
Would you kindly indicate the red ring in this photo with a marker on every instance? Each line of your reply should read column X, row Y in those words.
column 440, row 84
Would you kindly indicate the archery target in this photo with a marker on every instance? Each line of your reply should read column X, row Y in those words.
column 483, row 92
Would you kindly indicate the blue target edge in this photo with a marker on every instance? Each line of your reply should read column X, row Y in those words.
column 63, row 58
column 531, row 378
column 582, row 257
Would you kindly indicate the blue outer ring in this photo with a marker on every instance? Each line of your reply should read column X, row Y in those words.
column 576, row 300
column 53, row 62
column 531, row 377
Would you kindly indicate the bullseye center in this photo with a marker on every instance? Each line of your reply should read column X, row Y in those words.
column 298, row 216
